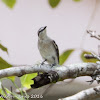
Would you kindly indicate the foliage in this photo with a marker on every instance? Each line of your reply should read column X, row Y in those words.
column 26, row 80
column 4, row 64
column 54, row 3
column 12, row 78
column 3, row 48
column 9, row 3
column 18, row 97
column 8, row 94
column 87, row 60
column 64, row 56
column 2, row 91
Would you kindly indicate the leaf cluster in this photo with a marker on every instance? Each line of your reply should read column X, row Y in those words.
column 52, row 3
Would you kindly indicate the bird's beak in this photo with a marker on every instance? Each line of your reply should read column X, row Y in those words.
column 45, row 27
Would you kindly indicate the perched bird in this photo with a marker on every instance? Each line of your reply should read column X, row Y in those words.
column 47, row 47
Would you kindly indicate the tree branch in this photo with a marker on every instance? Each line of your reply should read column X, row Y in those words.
column 69, row 71
column 92, row 56
column 93, row 34
column 88, row 94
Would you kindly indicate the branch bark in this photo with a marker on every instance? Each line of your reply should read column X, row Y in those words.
column 88, row 94
column 69, row 71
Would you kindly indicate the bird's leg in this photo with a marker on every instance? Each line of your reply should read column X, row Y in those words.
column 54, row 62
column 42, row 64
column 43, row 61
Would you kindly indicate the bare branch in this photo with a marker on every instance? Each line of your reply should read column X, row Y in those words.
column 69, row 71
column 88, row 56
column 93, row 34
column 92, row 56
column 96, row 56
column 88, row 94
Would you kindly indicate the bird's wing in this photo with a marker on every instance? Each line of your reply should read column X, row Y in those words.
column 57, row 50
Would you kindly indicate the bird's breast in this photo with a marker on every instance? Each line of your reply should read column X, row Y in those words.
column 45, row 48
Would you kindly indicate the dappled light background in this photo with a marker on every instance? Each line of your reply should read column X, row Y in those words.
column 66, row 24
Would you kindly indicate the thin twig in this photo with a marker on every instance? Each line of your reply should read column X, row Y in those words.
column 93, row 34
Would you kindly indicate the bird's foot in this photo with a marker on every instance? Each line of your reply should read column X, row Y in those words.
column 43, row 61
column 41, row 65
column 38, row 73
column 52, row 65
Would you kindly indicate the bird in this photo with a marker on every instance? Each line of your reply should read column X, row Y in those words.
column 47, row 47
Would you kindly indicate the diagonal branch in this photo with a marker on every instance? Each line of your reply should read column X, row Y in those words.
column 88, row 94
column 92, row 56
column 93, row 34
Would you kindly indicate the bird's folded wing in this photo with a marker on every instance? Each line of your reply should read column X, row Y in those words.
column 57, row 50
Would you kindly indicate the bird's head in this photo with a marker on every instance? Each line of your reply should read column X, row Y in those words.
column 42, row 32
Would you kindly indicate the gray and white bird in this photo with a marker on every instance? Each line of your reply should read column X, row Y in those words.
column 47, row 47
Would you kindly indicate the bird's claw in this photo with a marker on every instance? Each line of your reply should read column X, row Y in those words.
column 52, row 65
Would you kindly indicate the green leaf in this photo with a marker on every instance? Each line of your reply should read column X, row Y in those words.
column 4, row 64
column 3, row 94
column 64, row 56
column 54, row 3
column 19, row 97
column 3, row 91
column 1, row 98
column 12, row 78
column 9, row 3
column 87, row 60
column 3, row 48
column 26, row 80
column 76, row 0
